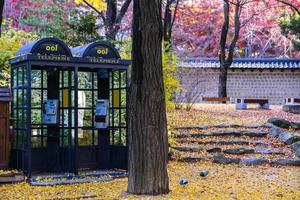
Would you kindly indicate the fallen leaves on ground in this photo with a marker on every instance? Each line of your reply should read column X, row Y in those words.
column 222, row 182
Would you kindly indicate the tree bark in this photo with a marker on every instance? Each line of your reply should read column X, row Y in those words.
column 148, row 142
column 226, row 60
column 1, row 14
column 169, row 19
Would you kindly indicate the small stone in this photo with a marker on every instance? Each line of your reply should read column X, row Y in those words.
column 282, row 123
column 183, row 182
column 275, row 131
column 203, row 173
column 255, row 161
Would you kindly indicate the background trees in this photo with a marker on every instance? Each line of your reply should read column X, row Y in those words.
column 148, row 145
column 1, row 12
column 290, row 26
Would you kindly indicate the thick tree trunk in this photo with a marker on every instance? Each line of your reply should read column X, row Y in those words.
column 148, row 142
column 1, row 14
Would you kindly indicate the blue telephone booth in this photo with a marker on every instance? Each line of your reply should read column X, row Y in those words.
column 70, row 107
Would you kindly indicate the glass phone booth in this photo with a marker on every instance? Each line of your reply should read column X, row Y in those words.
column 70, row 107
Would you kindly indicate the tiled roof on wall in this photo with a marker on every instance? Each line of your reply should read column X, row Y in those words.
column 5, row 94
column 244, row 63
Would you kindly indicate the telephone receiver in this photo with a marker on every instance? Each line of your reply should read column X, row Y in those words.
column 44, row 107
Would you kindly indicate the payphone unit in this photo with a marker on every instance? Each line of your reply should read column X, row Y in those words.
column 50, row 112
column 102, row 113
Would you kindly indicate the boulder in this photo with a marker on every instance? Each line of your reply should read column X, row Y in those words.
column 255, row 161
column 291, row 108
column 288, row 138
column 282, row 123
column 295, row 125
column 297, row 153
column 275, row 131
column 296, row 148
column 269, row 125
column 221, row 159
column 287, row 162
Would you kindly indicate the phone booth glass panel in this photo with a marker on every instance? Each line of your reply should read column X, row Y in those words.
column 70, row 107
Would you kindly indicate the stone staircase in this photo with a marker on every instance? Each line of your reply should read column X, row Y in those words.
column 227, row 144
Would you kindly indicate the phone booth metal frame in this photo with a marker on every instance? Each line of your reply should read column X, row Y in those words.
column 48, row 69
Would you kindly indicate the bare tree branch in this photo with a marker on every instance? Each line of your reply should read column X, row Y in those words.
column 175, row 12
column 101, row 14
column 290, row 5
column 123, row 11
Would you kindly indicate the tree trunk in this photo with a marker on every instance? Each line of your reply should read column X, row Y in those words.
column 148, row 142
column 223, row 82
column 167, row 36
column 1, row 14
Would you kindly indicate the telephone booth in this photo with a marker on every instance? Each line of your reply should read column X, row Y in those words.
column 70, row 107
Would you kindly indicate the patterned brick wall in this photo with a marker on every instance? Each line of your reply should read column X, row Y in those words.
column 275, row 85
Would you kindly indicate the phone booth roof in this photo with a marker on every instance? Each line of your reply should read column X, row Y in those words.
column 54, row 52
column 43, row 47
column 96, row 50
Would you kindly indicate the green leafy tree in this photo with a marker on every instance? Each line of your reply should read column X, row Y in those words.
column 62, row 20
column 290, row 27
column 169, row 60
column 10, row 41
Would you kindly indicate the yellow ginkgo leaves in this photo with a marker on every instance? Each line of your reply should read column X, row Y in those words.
column 100, row 5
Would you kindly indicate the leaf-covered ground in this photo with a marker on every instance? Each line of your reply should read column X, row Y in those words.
column 223, row 181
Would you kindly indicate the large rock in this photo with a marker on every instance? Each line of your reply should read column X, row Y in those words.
column 282, row 123
column 269, row 125
column 295, row 125
column 288, row 138
column 275, row 131
column 255, row 161
column 291, row 108
column 221, row 159
column 287, row 162
column 296, row 148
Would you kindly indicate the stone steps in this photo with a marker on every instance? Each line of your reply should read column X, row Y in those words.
column 245, row 145
column 226, row 133
column 224, row 142
column 232, row 150
column 218, row 126
column 221, row 159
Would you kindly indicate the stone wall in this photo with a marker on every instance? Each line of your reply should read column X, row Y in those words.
column 275, row 85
